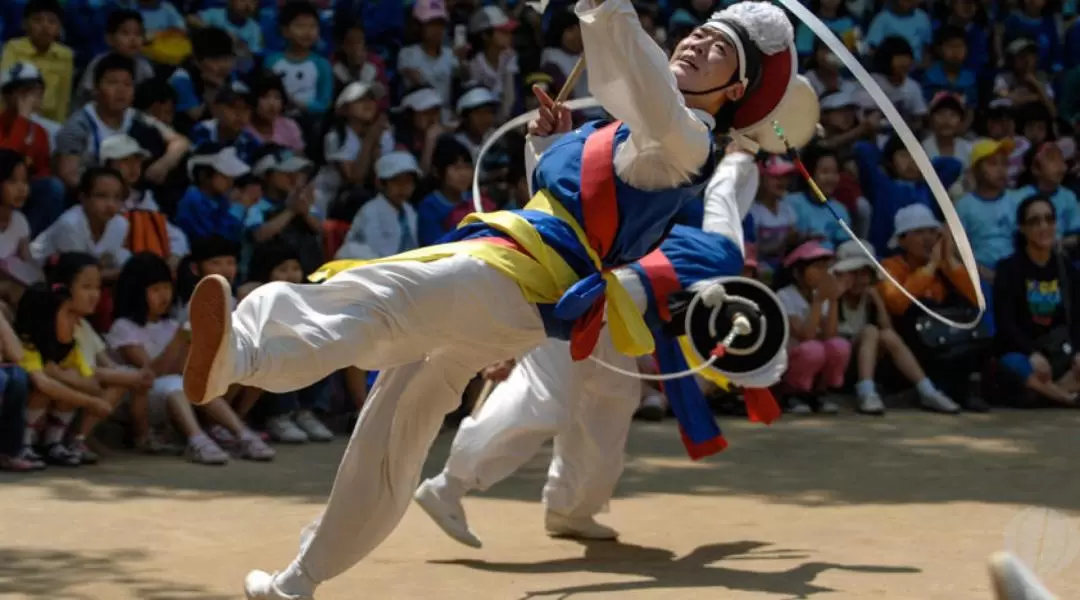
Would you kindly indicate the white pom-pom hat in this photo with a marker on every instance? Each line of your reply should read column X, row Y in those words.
column 781, row 95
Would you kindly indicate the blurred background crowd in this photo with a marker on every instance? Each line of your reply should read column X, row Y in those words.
column 147, row 143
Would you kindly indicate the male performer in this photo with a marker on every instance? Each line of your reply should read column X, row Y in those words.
column 432, row 318
column 586, row 407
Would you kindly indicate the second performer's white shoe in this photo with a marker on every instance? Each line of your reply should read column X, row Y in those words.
column 579, row 528
column 446, row 510
column 260, row 585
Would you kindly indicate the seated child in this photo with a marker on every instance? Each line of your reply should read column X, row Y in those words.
column 145, row 335
column 817, row 356
column 14, row 393
column 293, row 417
column 148, row 228
column 286, row 210
column 452, row 172
column 208, row 207
column 864, row 321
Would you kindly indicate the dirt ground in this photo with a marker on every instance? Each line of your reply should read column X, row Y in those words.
column 908, row 506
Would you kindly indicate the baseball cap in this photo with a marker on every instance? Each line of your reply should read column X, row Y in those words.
column 807, row 251
column 850, row 257
column 224, row 161
column 20, row 72
column 430, row 10
column 475, row 98
column 395, row 163
column 491, row 17
column 284, row 161
column 357, row 90
column 838, row 100
column 777, row 166
column 119, row 146
column 1019, row 45
column 988, row 147
column 947, row 100
column 910, row 218
column 233, row 92
column 420, row 99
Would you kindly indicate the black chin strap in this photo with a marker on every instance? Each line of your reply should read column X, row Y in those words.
column 705, row 92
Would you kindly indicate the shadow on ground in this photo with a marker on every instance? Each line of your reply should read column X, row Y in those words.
column 1016, row 457
column 56, row 574
column 660, row 569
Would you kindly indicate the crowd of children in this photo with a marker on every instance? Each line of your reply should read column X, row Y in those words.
column 147, row 143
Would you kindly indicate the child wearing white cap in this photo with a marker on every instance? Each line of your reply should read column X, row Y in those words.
column 418, row 123
column 494, row 63
column 358, row 134
column 123, row 153
column 386, row 224
column 207, row 208
column 476, row 110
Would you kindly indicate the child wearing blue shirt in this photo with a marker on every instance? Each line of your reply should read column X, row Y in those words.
column 286, row 211
column 452, row 167
column 815, row 220
column 891, row 180
column 969, row 16
column 236, row 19
column 209, row 69
column 1031, row 20
column 902, row 18
column 231, row 110
column 947, row 73
column 988, row 213
column 207, row 209
column 307, row 77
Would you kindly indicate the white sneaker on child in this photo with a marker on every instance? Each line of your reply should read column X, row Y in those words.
column 203, row 451
column 938, row 402
column 282, row 429
column 312, row 426
column 260, row 585
column 253, row 448
column 798, row 407
column 870, row 403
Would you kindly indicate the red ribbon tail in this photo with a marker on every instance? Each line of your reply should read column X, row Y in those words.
column 700, row 450
column 761, row 406
column 586, row 332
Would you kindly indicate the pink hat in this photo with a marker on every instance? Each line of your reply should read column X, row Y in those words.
column 807, row 251
column 430, row 10
column 776, row 166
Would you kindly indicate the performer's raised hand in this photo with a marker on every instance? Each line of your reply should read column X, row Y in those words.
column 552, row 119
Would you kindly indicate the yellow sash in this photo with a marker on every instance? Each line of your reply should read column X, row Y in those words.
column 543, row 277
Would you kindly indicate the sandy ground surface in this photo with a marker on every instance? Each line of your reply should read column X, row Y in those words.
column 908, row 506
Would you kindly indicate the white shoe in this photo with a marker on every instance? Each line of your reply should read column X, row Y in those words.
column 1012, row 580
column 209, row 361
column 259, row 585
column 871, row 404
column 447, row 512
column 579, row 528
column 282, row 429
column 312, row 426
column 798, row 407
column 939, row 402
column 827, row 406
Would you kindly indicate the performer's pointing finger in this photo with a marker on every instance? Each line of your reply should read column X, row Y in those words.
column 542, row 97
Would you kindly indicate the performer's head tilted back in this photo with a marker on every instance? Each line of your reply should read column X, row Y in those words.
column 722, row 62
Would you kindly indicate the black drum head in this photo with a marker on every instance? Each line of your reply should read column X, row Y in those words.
column 750, row 352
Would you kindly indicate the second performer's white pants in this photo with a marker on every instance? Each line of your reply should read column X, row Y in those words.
column 585, row 407
column 430, row 327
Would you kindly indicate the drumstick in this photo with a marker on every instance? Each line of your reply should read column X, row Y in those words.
column 571, row 80
column 482, row 397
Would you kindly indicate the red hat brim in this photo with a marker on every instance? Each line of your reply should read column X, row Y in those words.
column 778, row 69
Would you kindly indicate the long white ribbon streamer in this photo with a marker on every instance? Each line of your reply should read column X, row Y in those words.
column 967, row 256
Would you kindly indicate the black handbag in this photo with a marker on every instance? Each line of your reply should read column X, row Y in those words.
column 944, row 342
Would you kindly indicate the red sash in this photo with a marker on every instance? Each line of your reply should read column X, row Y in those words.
column 662, row 279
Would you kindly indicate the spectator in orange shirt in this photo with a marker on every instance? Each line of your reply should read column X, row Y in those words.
column 929, row 269
column 23, row 87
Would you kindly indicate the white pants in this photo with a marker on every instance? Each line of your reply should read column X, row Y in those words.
column 429, row 327
column 585, row 407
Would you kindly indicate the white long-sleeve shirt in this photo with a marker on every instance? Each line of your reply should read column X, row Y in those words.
column 376, row 232
column 729, row 195
column 629, row 75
